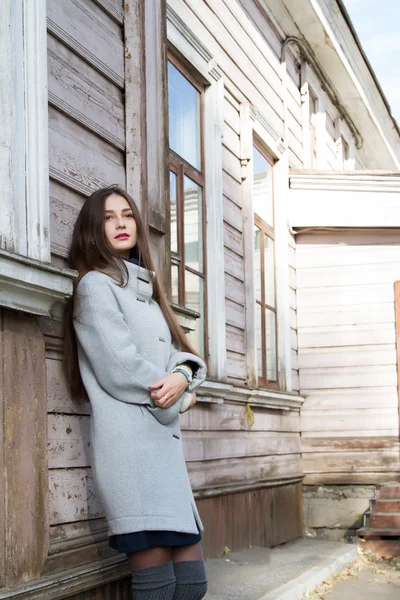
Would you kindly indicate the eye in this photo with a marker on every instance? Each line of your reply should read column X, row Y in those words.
column 108, row 217
column 129, row 215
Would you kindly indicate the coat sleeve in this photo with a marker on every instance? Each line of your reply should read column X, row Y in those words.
column 177, row 357
column 109, row 346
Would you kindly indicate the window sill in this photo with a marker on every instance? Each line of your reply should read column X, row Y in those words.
column 32, row 286
column 217, row 392
column 186, row 318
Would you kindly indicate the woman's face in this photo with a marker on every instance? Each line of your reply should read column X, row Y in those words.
column 119, row 225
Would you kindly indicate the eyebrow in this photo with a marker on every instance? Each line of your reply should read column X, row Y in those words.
column 113, row 211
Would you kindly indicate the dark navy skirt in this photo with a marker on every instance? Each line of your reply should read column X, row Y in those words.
column 140, row 540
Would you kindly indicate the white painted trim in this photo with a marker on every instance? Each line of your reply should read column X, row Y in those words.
column 155, row 108
column 213, row 123
column 281, row 211
column 33, row 286
column 246, row 151
column 194, row 51
column 218, row 392
column 369, row 182
column 36, row 131
column 281, row 184
column 25, row 222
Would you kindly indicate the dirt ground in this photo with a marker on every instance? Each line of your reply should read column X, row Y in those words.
column 368, row 578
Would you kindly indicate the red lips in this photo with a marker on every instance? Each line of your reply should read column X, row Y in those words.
column 121, row 236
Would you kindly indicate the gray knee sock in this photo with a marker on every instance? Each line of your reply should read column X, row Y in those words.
column 191, row 580
column 154, row 583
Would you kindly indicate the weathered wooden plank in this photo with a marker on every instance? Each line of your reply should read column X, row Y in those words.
column 346, row 335
column 231, row 164
column 295, row 380
column 231, row 140
column 345, row 377
column 232, row 189
column 346, row 295
column 233, row 470
column 259, row 21
column 235, row 339
column 235, row 314
column 200, row 445
column 382, row 312
column 337, row 255
column 23, row 453
column 294, row 161
column 72, row 496
column 353, row 444
column 292, row 257
column 371, row 419
column 293, row 318
column 350, row 356
column 293, row 339
column 351, row 398
column 231, row 116
column 68, row 441
column 356, row 477
column 236, row 366
column 79, row 159
column 206, row 24
column 234, row 289
column 253, row 44
column 232, row 214
column 294, row 359
column 331, row 462
column 233, row 240
column 351, row 275
column 292, row 278
column 58, row 394
column 218, row 417
column 81, row 92
column 65, row 205
column 292, row 299
column 234, row 264
column 91, row 33
column 242, row 49
column 295, row 146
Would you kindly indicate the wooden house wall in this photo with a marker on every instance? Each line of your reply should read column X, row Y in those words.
column 347, row 355
column 86, row 108
column 86, row 85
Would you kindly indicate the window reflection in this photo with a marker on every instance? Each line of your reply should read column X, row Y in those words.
column 173, row 209
column 262, row 187
column 193, row 225
column 184, row 117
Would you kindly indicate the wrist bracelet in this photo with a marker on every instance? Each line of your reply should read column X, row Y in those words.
column 183, row 373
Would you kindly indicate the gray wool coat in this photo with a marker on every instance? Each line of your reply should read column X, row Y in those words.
column 124, row 345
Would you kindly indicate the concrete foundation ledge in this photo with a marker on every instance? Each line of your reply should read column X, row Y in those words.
column 286, row 572
column 311, row 579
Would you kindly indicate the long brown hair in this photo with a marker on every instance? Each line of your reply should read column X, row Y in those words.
column 90, row 251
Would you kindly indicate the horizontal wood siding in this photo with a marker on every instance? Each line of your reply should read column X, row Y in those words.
column 86, row 109
column 347, row 357
column 86, row 151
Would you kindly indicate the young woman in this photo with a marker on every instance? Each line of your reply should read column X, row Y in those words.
column 125, row 349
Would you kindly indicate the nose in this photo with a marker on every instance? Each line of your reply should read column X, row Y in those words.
column 120, row 224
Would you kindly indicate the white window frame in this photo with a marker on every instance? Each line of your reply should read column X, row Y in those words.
column 182, row 40
column 254, row 125
column 28, row 281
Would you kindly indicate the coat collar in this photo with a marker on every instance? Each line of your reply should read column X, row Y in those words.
column 140, row 279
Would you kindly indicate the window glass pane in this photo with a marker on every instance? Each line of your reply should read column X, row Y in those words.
column 193, row 225
column 259, row 341
column 270, row 344
column 175, row 283
column 194, row 299
column 184, row 117
column 262, row 187
column 257, row 261
column 269, row 271
column 173, row 210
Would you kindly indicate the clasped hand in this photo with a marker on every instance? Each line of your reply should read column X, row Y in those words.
column 167, row 391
